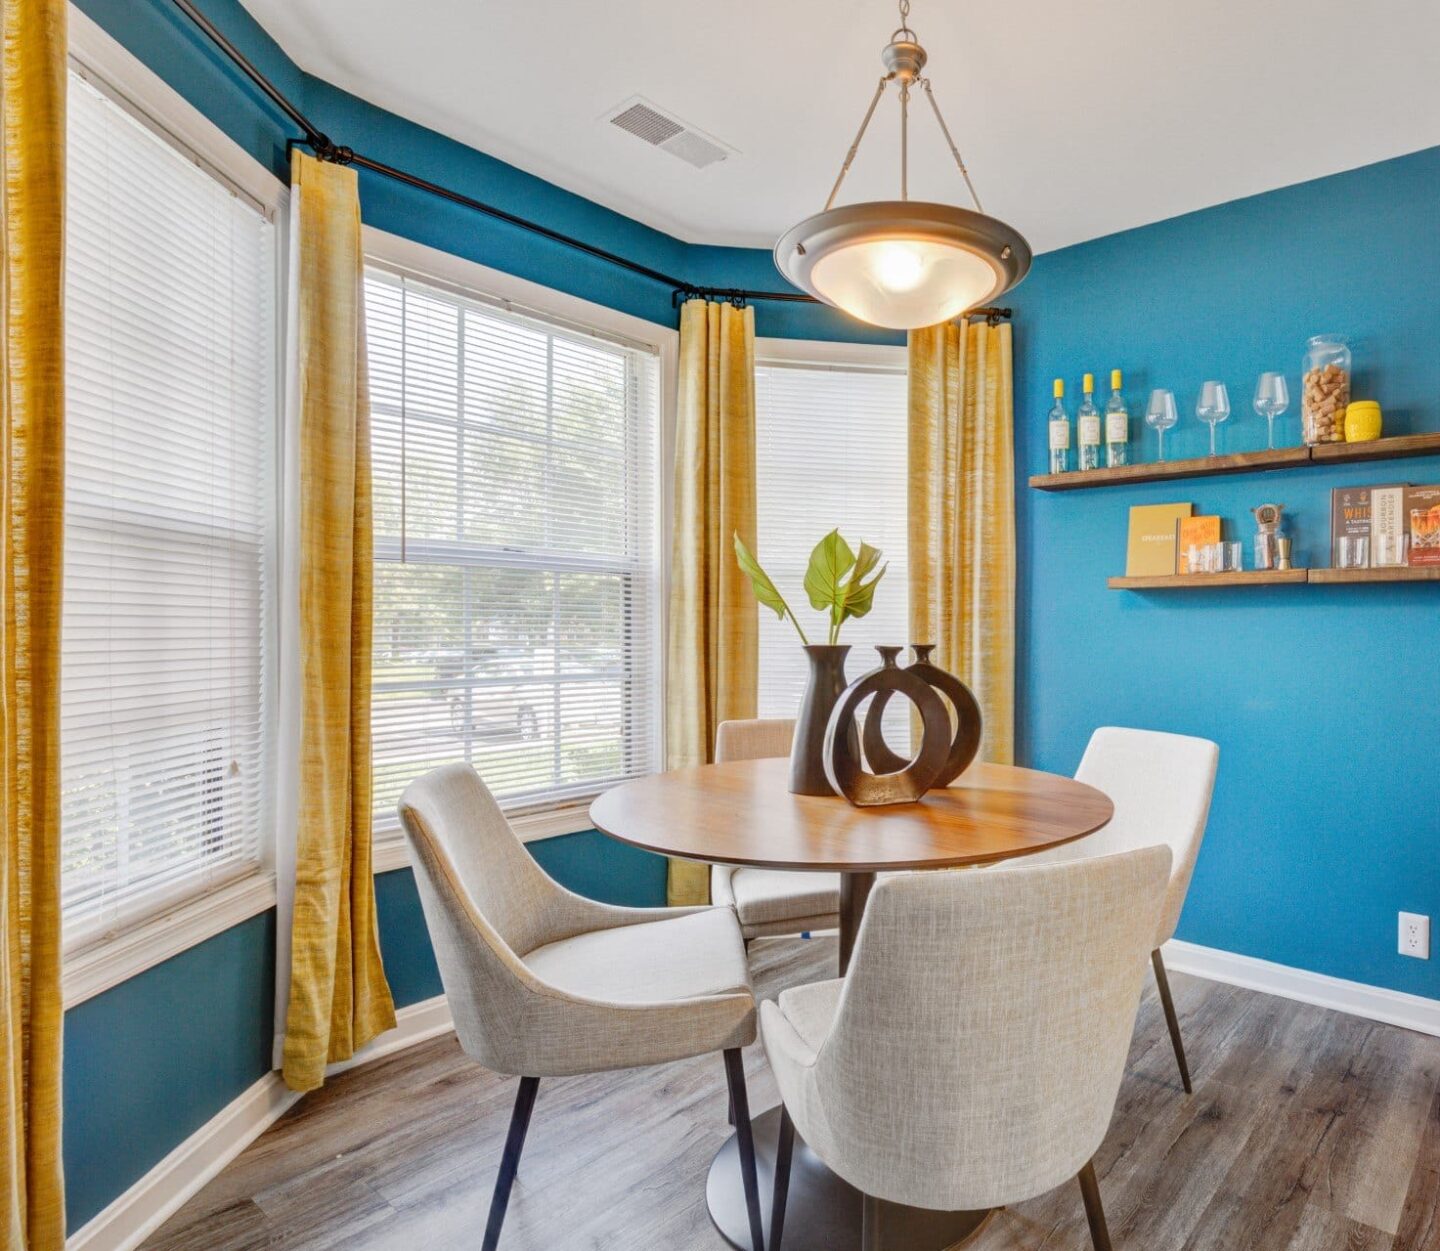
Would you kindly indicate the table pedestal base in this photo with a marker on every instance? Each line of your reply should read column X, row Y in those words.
column 823, row 1212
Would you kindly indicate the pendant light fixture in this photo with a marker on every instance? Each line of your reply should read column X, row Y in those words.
column 903, row 263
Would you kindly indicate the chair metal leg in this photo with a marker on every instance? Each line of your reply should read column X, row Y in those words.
column 510, row 1160
column 1171, row 1019
column 870, row 1224
column 784, row 1152
column 744, row 1140
column 1094, row 1211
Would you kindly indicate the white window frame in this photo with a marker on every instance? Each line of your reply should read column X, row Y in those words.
column 427, row 264
column 115, row 956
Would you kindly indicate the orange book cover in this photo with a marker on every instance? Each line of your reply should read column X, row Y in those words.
column 1423, row 505
column 1193, row 532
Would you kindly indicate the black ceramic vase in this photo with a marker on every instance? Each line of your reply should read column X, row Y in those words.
column 914, row 777
column 807, row 752
column 965, row 712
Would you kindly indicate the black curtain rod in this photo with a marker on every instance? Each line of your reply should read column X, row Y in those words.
column 327, row 150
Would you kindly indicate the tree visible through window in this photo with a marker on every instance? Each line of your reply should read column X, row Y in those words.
column 514, row 605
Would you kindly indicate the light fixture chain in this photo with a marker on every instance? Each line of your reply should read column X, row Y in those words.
column 905, row 20
column 954, row 151
column 905, row 139
column 855, row 147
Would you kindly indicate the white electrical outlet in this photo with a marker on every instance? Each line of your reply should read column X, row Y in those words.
column 1415, row 935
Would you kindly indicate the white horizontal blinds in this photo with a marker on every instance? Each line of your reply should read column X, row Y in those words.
column 514, row 536
column 170, row 358
column 830, row 452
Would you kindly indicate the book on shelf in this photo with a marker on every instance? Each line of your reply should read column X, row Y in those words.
column 1349, row 517
column 1388, row 524
column 1193, row 532
column 1422, row 510
column 1153, row 538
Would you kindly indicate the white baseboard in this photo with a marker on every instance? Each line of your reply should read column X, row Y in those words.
column 415, row 1024
column 150, row 1202
column 1393, row 1007
column 142, row 1209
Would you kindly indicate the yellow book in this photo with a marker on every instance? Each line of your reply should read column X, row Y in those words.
column 1194, row 532
column 1152, row 538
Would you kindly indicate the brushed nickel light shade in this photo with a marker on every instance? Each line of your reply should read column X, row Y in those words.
column 903, row 264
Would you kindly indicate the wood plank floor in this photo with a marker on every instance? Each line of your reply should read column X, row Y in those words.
column 1308, row 1131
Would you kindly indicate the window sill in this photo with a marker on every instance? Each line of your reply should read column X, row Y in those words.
column 531, row 827
column 110, row 961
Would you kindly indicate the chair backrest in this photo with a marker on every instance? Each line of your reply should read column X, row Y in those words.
column 1161, row 785
column 982, row 1031
column 486, row 902
column 756, row 739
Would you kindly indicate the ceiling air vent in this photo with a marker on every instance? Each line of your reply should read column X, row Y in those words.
column 660, row 130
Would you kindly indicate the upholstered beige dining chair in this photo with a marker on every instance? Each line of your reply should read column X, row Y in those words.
column 542, row 982
column 971, row 1057
column 770, row 902
column 1161, row 785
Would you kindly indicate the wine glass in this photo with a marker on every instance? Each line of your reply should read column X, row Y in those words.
column 1160, row 414
column 1213, row 407
column 1272, row 397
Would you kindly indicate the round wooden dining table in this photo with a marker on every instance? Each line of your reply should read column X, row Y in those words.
column 742, row 813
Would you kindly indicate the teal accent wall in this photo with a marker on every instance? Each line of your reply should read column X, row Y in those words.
column 148, row 1062
column 1326, row 820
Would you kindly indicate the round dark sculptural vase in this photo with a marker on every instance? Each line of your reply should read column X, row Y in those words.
column 807, row 752
column 966, row 718
column 912, row 778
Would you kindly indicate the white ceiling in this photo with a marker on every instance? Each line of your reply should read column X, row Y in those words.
column 1077, row 118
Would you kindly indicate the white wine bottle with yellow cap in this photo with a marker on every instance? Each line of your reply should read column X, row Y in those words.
column 1059, row 431
column 1087, row 418
column 1117, row 425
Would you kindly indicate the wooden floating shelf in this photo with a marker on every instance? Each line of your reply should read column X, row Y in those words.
column 1205, row 581
column 1272, row 577
column 1422, row 573
column 1397, row 448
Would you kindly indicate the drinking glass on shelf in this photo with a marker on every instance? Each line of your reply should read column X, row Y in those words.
column 1213, row 407
column 1161, row 415
column 1391, row 550
column 1354, row 551
column 1232, row 558
column 1272, row 397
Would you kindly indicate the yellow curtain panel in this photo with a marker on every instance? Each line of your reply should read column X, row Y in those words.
column 339, row 998
column 32, row 373
column 962, row 514
column 713, row 656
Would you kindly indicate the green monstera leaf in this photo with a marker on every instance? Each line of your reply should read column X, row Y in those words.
column 765, row 590
column 839, row 582
column 836, row 580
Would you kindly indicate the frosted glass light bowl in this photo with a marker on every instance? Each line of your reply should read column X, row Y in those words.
column 903, row 264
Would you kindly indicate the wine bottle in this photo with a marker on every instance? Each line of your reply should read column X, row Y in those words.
column 1117, row 425
column 1059, row 431
column 1087, row 417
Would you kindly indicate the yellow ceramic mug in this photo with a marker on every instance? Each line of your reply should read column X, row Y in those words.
column 1362, row 421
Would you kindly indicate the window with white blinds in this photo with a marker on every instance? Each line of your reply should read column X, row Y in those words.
column 515, row 599
column 170, row 411
column 830, row 451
